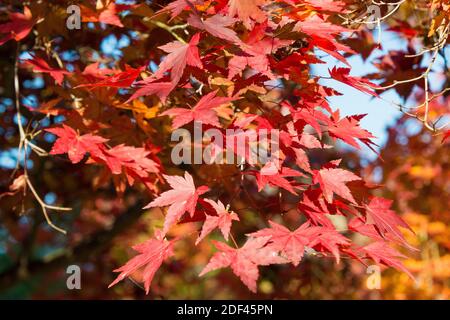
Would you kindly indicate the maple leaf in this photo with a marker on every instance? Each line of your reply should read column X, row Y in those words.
column 379, row 214
column 216, row 26
column 40, row 65
column 291, row 244
column 147, row 88
column 381, row 252
column 361, row 84
column 179, row 55
column 258, row 63
column 202, row 112
column 277, row 179
column 182, row 198
column 348, row 130
column 178, row 6
column 314, row 208
column 122, row 157
column 244, row 261
column 152, row 254
column 333, row 180
column 329, row 239
column 19, row 26
column 223, row 221
column 122, row 79
column 105, row 13
column 95, row 72
column 316, row 26
column 359, row 225
column 323, row 36
column 247, row 11
column 309, row 116
column 327, row 5
column 75, row 145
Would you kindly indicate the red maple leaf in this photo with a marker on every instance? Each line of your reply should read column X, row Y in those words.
column 348, row 130
column 183, row 197
column 277, row 179
column 326, row 5
column 19, row 26
column 202, row 112
column 134, row 161
column 309, row 116
column 122, row 79
column 359, row 225
column 152, row 254
column 216, row 26
column 381, row 252
column 75, row 145
column 177, row 6
column 291, row 244
column 40, row 65
column 107, row 14
column 147, row 88
column 247, row 11
column 333, row 180
column 361, row 84
column 244, row 261
column 179, row 55
column 223, row 221
column 258, row 63
column 386, row 221
column 315, row 208
column 323, row 36
column 330, row 240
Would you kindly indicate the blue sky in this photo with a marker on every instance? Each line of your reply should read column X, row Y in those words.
column 380, row 113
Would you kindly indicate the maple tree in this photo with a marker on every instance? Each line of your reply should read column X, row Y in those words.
column 106, row 116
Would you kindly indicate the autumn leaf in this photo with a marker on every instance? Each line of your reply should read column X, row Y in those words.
column 19, row 27
column 182, row 198
column 247, row 11
column 122, row 79
column 147, row 88
column 291, row 244
column 75, row 145
column 105, row 13
column 329, row 240
column 223, row 221
column 333, row 180
column 244, row 261
column 202, row 112
column 381, row 252
column 348, row 130
column 386, row 221
column 277, row 178
column 216, row 26
column 130, row 159
column 40, row 65
column 152, row 254
column 177, row 6
column 179, row 55
column 361, row 84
